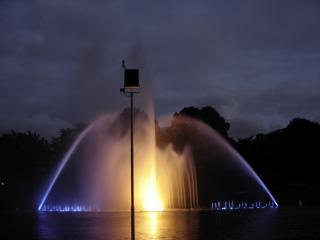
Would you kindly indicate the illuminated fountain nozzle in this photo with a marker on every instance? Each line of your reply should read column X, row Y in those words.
column 152, row 201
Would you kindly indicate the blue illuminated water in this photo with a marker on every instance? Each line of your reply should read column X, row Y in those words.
column 63, row 163
column 262, row 224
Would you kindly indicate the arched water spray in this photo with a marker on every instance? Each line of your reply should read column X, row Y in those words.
column 254, row 174
column 165, row 178
column 220, row 156
column 63, row 163
column 66, row 158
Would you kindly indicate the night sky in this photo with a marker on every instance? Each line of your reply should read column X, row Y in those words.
column 256, row 61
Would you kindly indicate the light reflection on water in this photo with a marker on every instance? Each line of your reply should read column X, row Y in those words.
column 189, row 225
column 263, row 224
column 152, row 225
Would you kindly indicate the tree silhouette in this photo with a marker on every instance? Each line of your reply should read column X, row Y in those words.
column 25, row 158
column 286, row 159
column 207, row 115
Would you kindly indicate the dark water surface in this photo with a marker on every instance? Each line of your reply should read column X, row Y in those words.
column 282, row 223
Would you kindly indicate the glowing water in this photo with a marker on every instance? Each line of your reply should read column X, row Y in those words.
column 63, row 163
column 160, row 175
column 99, row 161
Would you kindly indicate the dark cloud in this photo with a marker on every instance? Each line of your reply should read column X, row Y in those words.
column 256, row 61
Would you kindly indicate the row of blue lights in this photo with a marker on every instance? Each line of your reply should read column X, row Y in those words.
column 73, row 208
column 218, row 205
column 231, row 205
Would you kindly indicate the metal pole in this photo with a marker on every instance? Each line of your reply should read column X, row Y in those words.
column 132, row 170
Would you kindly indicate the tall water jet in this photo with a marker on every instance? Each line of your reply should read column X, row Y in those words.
column 194, row 166
column 99, row 161
column 166, row 176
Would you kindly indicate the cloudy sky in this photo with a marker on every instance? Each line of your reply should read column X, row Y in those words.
column 256, row 61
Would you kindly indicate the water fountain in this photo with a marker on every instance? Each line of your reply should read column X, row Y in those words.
column 93, row 174
column 102, row 180
column 195, row 168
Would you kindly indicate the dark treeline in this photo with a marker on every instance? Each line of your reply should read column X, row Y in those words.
column 285, row 159
column 27, row 162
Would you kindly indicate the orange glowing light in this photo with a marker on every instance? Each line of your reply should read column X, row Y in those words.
column 152, row 202
column 150, row 196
